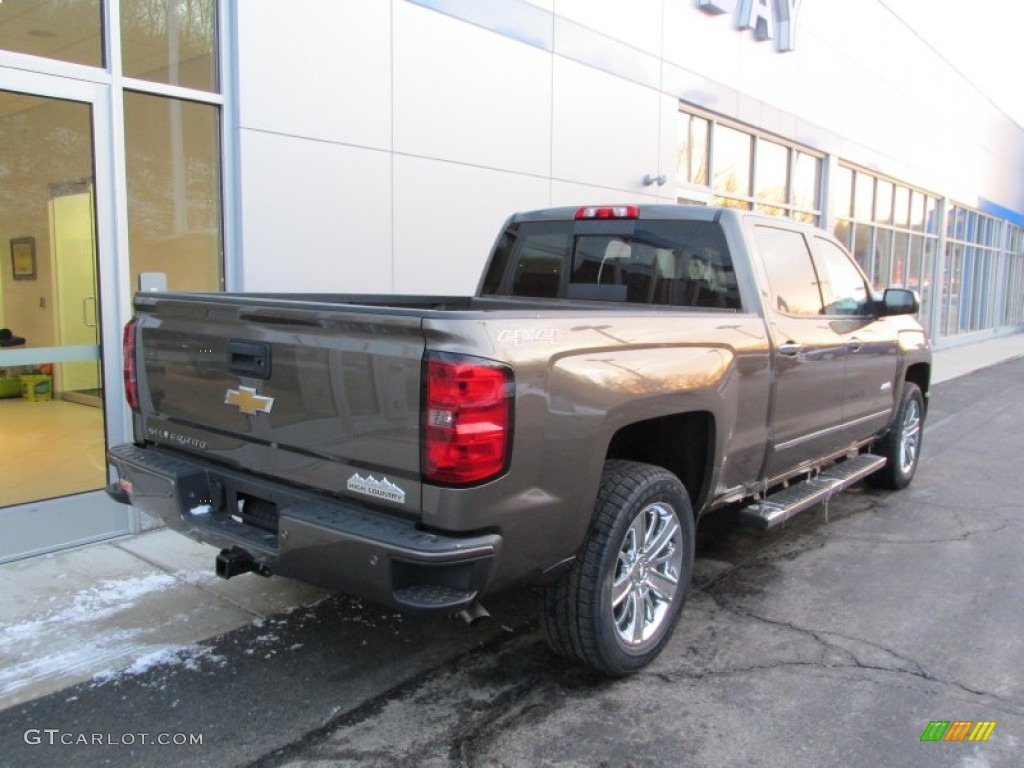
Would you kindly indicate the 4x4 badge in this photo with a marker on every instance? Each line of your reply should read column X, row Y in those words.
column 247, row 401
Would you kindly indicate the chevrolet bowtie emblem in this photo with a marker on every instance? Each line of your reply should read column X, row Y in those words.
column 248, row 401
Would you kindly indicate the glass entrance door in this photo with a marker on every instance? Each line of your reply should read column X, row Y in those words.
column 52, row 414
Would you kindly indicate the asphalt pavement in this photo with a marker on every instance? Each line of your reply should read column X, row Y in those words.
column 833, row 641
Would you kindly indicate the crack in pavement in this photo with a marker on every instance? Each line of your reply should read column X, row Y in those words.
column 483, row 703
column 909, row 665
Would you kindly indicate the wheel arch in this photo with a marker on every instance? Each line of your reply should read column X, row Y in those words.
column 682, row 443
column 920, row 374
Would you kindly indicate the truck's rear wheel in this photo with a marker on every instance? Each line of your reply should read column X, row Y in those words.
column 614, row 610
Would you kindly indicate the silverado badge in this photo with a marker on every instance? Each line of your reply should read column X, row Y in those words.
column 248, row 401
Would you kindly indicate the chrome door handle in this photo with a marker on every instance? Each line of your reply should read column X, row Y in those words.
column 854, row 345
column 790, row 349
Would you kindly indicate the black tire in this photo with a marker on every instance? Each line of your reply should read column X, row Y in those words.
column 902, row 445
column 618, row 635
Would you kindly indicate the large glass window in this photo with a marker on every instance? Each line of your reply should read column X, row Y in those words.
column 170, row 41
column 67, row 30
column 731, row 164
column 890, row 228
column 1013, row 303
column 771, row 176
column 51, row 404
column 174, row 202
column 970, row 278
column 692, row 153
column 739, row 168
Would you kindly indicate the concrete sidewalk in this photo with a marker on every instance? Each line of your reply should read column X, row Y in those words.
column 119, row 607
column 953, row 362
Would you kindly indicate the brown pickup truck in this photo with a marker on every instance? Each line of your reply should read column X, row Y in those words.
column 621, row 372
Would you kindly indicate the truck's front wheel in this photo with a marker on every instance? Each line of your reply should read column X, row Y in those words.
column 614, row 610
column 902, row 446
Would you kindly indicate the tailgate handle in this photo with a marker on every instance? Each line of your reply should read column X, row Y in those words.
column 249, row 358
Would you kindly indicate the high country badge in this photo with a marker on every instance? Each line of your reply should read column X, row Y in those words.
column 381, row 489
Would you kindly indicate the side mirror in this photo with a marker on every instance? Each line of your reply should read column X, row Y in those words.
column 899, row 301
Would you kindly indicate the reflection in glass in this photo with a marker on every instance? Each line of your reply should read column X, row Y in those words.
column 951, row 293
column 863, row 196
column 51, row 414
column 979, row 307
column 883, row 258
column 900, row 242
column 174, row 202
column 731, row 162
column 842, row 193
column 901, row 206
column 932, row 215
column 917, row 211
column 692, row 158
column 843, row 232
column 730, row 202
column 883, row 202
column 794, row 283
column 67, row 30
column 771, row 170
column 170, row 41
column 914, row 262
column 862, row 240
column 927, row 267
column 806, row 181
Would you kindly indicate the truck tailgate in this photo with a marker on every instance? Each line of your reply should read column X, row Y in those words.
column 322, row 396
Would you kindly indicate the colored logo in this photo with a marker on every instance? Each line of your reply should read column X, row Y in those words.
column 958, row 730
column 247, row 401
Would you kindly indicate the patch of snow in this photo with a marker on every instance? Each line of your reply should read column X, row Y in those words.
column 82, row 647
column 202, row 509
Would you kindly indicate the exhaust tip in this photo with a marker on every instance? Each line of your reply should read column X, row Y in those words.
column 474, row 614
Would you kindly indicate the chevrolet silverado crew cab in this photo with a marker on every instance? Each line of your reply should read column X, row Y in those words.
column 621, row 372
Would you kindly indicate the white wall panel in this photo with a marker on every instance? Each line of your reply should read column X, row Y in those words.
column 636, row 23
column 766, row 73
column 667, row 150
column 703, row 43
column 447, row 216
column 569, row 193
column 604, row 128
column 316, row 69
column 315, row 216
column 464, row 93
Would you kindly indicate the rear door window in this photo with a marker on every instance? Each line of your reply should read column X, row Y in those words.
column 787, row 260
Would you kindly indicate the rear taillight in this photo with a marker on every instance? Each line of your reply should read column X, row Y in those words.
column 608, row 212
column 467, row 420
column 131, row 386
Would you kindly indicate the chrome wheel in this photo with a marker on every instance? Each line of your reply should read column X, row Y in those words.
column 647, row 575
column 910, row 436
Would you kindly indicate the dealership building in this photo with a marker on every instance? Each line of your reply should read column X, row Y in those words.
column 376, row 146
